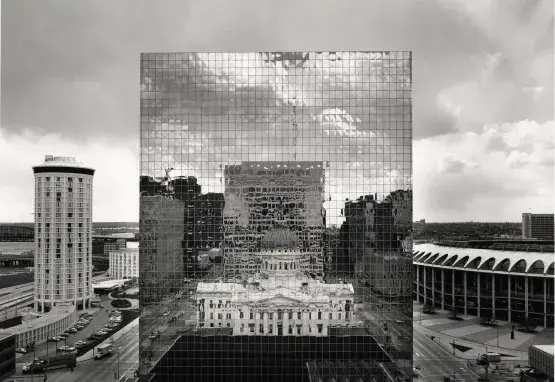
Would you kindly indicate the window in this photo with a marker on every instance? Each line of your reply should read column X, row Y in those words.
column 319, row 315
column 241, row 314
column 299, row 315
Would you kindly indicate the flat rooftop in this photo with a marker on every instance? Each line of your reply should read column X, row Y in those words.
column 550, row 349
column 109, row 283
column 58, row 312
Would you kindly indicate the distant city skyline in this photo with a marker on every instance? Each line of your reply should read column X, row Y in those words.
column 483, row 98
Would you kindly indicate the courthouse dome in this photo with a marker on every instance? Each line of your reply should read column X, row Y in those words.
column 280, row 239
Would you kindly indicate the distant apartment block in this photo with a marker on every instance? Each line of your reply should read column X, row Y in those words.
column 537, row 226
column 124, row 263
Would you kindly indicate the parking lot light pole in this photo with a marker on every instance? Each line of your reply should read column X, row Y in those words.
column 118, row 362
column 497, row 327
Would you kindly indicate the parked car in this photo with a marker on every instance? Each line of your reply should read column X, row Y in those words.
column 65, row 349
column 80, row 344
column 154, row 334
column 72, row 330
column 55, row 339
column 63, row 335
column 21, row 350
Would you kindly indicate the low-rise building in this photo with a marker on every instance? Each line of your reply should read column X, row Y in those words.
column 7, row 355
column 124, row 263
column 540, row 359
column 50, row 324
column 504, row 285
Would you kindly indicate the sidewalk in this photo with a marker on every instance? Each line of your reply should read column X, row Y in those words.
column 472, row 339
column 471, row 350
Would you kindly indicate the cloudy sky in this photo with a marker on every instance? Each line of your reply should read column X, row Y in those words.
column 350, row 111
column 483, row 120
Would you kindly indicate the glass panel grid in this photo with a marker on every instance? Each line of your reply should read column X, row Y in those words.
column 276, row 215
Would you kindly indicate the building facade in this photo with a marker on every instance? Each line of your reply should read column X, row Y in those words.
column 537, row 226
column 63, row 233
column 161, row 254
column 115, row 245
column 58, row 319
column 279, row 300
column 124, row 263
column 502, row 285
column 256, row 194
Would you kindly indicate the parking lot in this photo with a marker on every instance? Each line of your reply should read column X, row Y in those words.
column 100, row 317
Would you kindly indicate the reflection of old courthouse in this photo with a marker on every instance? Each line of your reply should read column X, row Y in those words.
column 278, row 300
column 274, row 222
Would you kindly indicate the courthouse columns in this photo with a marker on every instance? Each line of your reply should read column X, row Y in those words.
column 285, row 323
column 265, row 322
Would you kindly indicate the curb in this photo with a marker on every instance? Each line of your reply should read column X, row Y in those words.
column 522, row 357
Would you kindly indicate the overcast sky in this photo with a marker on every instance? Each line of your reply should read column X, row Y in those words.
column 482, row 89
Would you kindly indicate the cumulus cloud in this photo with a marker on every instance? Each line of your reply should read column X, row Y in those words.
column 115, row 187
column 464, row 179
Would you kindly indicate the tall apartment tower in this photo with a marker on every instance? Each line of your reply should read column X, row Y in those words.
column 537, row 226
column 63, row 233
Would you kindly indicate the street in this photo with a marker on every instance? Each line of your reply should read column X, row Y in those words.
column 433, row 362
column 106, row 368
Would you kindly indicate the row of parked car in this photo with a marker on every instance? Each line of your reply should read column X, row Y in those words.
column 84, row 320
column 113, row 325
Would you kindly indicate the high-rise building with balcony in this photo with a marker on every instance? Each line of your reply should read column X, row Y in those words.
column 63, row 233
column 537, row 226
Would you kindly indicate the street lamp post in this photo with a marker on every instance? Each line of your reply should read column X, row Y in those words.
column 118, row 362
column 497, row 327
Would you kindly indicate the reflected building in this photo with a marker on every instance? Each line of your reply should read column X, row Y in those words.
column 279, row 299
column 259, row 193
column 160, row 252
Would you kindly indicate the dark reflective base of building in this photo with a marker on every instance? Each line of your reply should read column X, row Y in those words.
column 261, row 358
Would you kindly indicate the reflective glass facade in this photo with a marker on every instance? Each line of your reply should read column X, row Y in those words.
column 276, row 216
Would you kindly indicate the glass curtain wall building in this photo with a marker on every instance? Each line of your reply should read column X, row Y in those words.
column 276, row 216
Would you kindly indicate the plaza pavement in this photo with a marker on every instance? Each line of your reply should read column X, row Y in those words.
column 472, row 339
